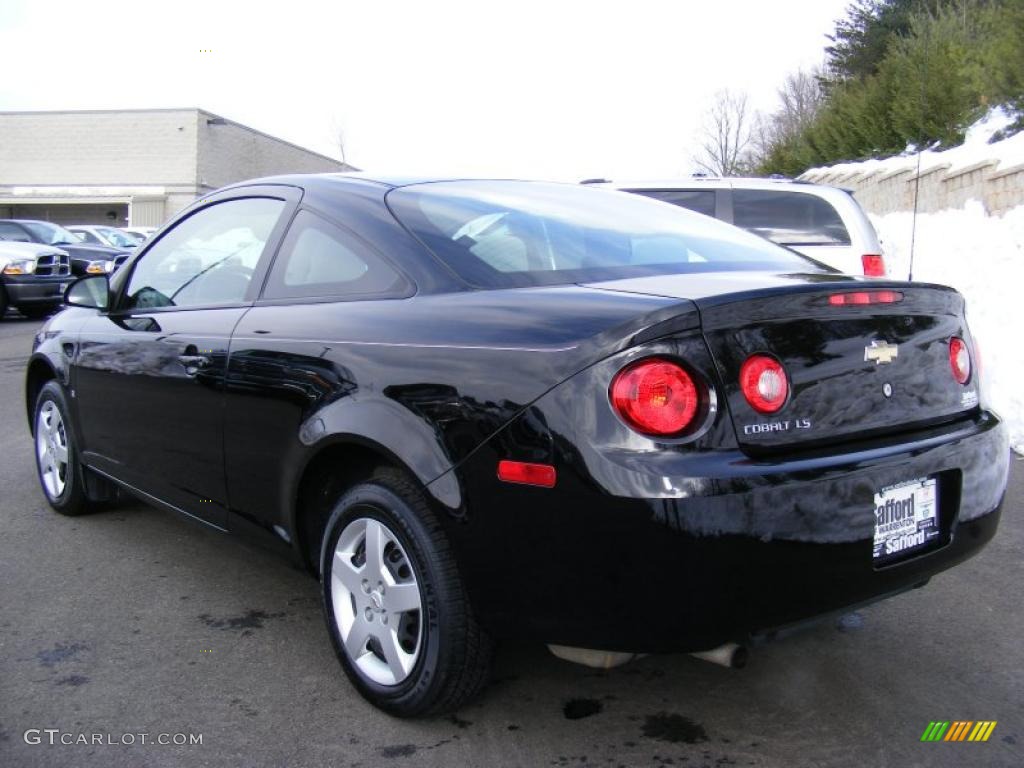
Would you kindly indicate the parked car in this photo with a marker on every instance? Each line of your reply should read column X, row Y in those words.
column 110, row 236
column 141, row 232
column 86, row 259
column 33, row 278
column 490, row 409
column 825, row 223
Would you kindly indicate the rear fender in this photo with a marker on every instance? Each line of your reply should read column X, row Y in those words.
column 385, row 425
column 575, row 428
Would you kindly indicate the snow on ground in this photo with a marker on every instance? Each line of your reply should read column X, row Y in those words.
column 981, row 256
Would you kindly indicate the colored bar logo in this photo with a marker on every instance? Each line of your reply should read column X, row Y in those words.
column 959, row 730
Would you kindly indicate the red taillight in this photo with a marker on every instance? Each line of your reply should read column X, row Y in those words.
column 655, row 397
column 764, row 384
column 526, row 473
column 959, row 360
column 865, row 297
column 874, row 265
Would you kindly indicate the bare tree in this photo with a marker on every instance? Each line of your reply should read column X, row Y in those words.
column 763, row 137
column 800, row 99
column 337, row 133
column 725, row 142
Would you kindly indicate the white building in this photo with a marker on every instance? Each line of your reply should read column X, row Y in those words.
column 135, row 167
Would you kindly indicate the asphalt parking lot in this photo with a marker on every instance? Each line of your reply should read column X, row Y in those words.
column 134, row 621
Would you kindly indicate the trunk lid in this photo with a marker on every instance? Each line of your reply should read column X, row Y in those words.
column 855, row 370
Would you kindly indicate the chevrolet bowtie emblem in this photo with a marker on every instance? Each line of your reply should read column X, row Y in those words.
column 881, row 352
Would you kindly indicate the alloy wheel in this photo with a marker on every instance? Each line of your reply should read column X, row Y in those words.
column 52, row 450
column 376, row 601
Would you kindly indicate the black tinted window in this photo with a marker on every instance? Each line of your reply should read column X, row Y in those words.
column 696, row 200
column 13, row 233
column 209, row 258
column 318, row 258
column 788, row 218
column 498, row 234
column 87, row 236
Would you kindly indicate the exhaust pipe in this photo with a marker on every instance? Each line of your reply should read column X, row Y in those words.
column 589, row 657
column 732, row 655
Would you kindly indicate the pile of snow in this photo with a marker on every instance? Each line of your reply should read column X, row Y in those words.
column 975, row 149
column 981, row 256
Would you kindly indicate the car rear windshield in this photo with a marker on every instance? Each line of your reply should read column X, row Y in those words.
column 509, row 234
column 788, row 218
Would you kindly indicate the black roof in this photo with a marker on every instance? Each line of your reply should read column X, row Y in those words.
column 391, row 181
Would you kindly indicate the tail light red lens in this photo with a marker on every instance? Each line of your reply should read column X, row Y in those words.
column 655, row 397
column 763, row 382
column 959, row 360
column 874, row 265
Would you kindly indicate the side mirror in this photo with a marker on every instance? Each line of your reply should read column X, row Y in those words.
column 92, row 291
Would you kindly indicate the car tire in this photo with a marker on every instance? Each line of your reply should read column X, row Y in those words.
column 57, row 467
column 3, row 302
column 433, row 657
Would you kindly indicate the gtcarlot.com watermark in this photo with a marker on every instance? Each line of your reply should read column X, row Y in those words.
column 55, row 736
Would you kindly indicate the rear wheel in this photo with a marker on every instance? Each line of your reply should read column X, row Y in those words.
column 396, row 610
column 60, row 474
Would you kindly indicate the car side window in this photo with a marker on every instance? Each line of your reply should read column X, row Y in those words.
column 208, row 258
column 319, row 259
column 788, row 218
column 86, row 235
column 697, row 200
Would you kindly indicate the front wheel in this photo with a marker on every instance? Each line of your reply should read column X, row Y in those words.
column 60, row 474
column 396, row 611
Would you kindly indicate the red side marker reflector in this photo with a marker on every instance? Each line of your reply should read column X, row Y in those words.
column 865, row 297
column 526, row 474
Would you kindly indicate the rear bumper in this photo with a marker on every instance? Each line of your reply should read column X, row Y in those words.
column 715, row 557
column 29, row 290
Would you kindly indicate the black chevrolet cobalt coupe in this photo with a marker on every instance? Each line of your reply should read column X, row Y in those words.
column 497, row 409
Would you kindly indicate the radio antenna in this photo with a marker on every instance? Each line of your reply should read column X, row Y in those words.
column 913, row 219
column 920, row 141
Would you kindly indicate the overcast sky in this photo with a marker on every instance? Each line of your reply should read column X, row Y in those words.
column 555, row 89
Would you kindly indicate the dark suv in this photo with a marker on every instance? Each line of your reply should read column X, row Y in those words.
column 33, row 278
column 85, row 259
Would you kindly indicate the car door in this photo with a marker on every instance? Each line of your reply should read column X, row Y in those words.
column 148, row 375
column 289, row 358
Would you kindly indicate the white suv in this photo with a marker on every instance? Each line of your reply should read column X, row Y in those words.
column 825, row 223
